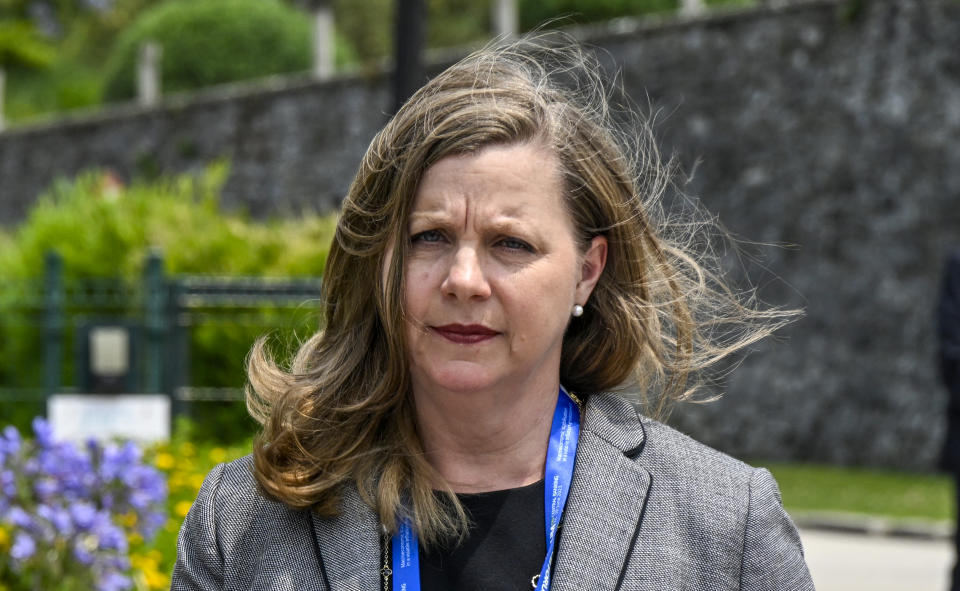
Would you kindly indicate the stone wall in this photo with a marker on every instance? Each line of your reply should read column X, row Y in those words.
column 293, row 143
column 829, row 126
column 838, row 133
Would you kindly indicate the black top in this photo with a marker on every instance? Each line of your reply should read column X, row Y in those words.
column 504, row 549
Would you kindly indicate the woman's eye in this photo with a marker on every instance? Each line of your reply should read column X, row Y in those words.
column 515, row 244
column 429, row 237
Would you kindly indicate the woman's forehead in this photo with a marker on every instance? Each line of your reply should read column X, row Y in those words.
column 509, row 182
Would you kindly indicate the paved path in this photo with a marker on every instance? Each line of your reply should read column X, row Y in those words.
column 855, row 562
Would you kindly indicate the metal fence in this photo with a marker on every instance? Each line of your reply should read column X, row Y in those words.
column 164, row 314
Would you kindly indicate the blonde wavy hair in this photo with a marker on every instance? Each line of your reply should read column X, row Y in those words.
column 342, row 414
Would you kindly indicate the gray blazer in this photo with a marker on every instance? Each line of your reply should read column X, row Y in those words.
column 649, row 509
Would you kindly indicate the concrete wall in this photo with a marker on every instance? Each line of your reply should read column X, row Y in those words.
column 833, row 126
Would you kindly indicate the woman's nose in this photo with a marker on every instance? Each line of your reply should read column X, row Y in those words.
column 465, row 278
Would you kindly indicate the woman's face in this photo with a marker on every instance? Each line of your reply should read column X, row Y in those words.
column 493, row 271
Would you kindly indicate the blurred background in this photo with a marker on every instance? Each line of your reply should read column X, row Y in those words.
column 170, row 172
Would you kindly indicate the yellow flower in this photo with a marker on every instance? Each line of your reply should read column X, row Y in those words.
column 182, row 508
column 164, row 461
column 187, row 449
column 196, row 480
column 4, row 540
column 156, row 579
column 149, row 573
column 135, row 539
column 128, row 519
column 218, row 455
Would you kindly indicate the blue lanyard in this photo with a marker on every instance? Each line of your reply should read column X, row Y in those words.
column 558, row 470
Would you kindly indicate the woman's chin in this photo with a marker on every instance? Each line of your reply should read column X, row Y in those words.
column 462, row 377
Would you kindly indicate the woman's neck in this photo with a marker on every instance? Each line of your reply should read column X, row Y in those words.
column 480, row 442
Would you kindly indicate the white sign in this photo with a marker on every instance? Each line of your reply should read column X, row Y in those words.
column 78, row 417
column 109, row 350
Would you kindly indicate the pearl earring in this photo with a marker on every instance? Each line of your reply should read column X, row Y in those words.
column 577, row 310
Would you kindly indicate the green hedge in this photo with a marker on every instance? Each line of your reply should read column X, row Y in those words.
column 208, row 42
column 104, row 230
column 535, row 12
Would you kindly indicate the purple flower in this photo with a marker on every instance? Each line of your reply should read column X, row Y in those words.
column 57, row 517
column 80, row 552
column 23, row 547
column 113, row 581
column 118, row 562
column 20, row 518
column 62, row 498
column 83, row 515
column 42, row 432
column 10, row 441
column 45, row 488
column 8, row 483
column 152, row 522
column 111, row 537
column 118, row 462
column 31, row 467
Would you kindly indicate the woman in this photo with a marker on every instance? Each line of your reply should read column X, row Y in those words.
column 499, row 267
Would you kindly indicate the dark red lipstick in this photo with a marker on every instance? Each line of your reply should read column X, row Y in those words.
column 465, row 334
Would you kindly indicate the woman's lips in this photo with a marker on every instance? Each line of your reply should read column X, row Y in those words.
column 465, row 334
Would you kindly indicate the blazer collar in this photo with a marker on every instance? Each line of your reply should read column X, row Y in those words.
column 606, row 501
column 607, row 497
column 349, row 545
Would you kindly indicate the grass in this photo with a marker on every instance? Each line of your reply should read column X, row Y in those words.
column 886, row 493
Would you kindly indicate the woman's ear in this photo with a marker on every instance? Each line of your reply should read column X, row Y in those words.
column 591, row 267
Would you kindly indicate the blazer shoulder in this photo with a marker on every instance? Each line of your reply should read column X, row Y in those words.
column 234, row 537
column 732, row 509
column 674, row 460
column 653, row 445
column 235, row 480
column 669, row 448
column 240, row 501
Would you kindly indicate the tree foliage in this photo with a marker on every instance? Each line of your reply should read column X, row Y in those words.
column 21, row 45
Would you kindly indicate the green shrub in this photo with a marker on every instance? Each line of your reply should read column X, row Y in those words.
column 535, row 12
column 104, row 230
column 65, row 84
column 209, row 42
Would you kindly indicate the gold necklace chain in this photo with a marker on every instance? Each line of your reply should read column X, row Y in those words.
column 385, row 570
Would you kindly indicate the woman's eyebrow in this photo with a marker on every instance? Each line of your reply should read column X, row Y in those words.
column 429, row 217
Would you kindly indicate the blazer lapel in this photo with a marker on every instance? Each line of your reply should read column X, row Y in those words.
column 349, row 545
column 606, row 499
